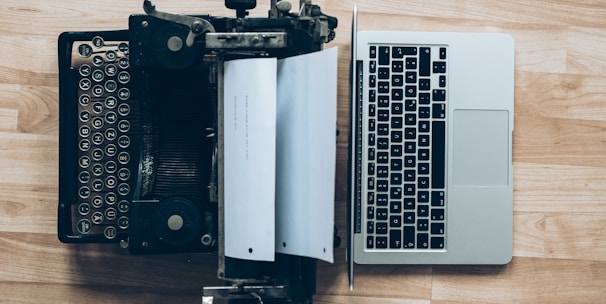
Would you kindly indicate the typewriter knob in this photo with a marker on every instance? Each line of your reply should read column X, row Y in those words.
column 284, row 6
column 241, row 6
column 177, row 221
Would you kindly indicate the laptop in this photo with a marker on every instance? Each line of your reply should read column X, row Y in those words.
column 431, row 175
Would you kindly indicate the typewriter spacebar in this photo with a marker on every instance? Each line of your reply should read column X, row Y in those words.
column 438, row 154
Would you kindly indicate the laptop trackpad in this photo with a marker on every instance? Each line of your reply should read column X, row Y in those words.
column 481, row 148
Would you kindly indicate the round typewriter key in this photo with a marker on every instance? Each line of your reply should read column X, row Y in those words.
column 84, row 162
column 98, row 138
column 124, row 141
column 97, row 122
column 124, row 174
column 84, row 116
column 111, row 117
column 111, row 167
column 84, row 192
column 110, row 214
column 97, row 107
column 110, row 198
column 97, row 185
column 97, row 201
column 123, row 47
column 84, row 177
column 123, row 222
column 84, row 226
column 84, row 100
column 97, row 218
column 98, row 60
column 111, row 70
column 84, row 145
column 97, row 154
column 123, row 206
column 84, row 70
column 97, row 169
column 110, row 232
column 124, row 126
column 98, row 42
column 124, row 158
column 124, row 93
column 110, row 55
column 110, row 150
column 111, row 134
column 111, row 86
column 123, row 63
column 124, row 77
column 98, row 90
column 111, row 181
column 98, row 75
column 111, row 102
column 124, row 109
column 83, row 209
column 85, row 50
column 84, row 84
column 84, row 131
column 123, row 189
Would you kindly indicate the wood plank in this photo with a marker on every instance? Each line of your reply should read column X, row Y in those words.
column 28, row 159
column 529, row 235
column 576, row 236
column 327, row 299
column 524, row 280
column 18, row 292
column 40, row 258
column 581, row 13
column 559, row 188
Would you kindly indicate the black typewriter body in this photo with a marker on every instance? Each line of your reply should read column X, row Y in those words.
column 139, row 160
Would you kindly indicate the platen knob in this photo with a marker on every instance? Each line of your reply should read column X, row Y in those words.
column 177, row 221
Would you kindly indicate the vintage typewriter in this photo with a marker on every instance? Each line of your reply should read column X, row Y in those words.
column 139, row 151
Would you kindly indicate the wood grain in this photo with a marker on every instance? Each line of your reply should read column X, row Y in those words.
column 559, row 156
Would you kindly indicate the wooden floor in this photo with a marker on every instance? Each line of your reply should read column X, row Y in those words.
column 559, row 161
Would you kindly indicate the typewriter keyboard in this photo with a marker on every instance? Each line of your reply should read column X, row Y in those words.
column 105, row 162
column 405, row 126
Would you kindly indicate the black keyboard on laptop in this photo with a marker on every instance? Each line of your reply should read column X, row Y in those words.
column 405, row 151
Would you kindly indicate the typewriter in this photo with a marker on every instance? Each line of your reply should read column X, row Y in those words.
column 139, row 152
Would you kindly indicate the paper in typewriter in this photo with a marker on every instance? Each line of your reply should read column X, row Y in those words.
column 306, row 152
column 249, row 158
column 284, row 157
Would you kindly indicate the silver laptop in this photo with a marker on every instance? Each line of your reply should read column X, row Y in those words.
column 431, row 167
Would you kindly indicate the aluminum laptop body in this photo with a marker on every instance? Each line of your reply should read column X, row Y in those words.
column 475, row 101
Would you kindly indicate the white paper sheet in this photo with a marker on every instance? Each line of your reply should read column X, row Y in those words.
column 306, row 152
column 249, row 158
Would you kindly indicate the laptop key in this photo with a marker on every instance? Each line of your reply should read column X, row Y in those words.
column 425, row 61
column 373, row 52
column 438, row 154
column 382, row 214
column 437, row 228
column 437, row 214
column 422, row 240
column 381, row 227
column 395, row 239
column 383, row 55
column 370, row 242
column 409, row 237
column 381, row 242
column 437, row 242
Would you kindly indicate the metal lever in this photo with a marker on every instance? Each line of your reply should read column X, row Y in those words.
column 197, row 26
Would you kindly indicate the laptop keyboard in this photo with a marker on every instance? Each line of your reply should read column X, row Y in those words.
column 405, row 140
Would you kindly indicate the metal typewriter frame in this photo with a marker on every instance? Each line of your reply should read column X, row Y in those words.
column 290, row 279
